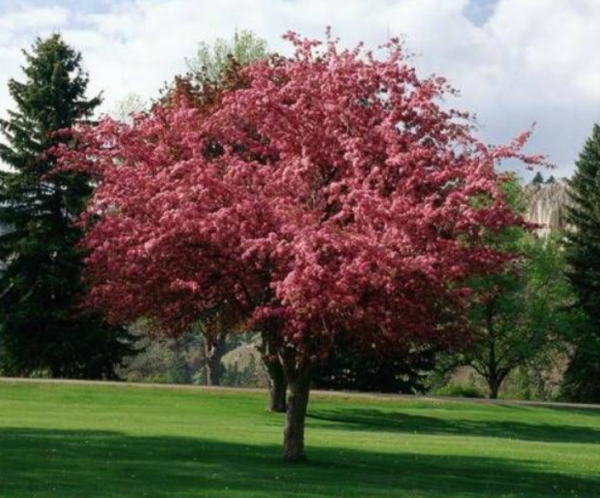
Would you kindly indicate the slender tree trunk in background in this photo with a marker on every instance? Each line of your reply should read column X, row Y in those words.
column 496, row 380
column 277, row 385
column 214, row 350
column 277, row 380
column 213, row 371
column 298, row 378
column 494, row 388
column 493, row 376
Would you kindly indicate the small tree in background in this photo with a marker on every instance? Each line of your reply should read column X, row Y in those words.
column 129, row 107
column 211, row 63
column 329, row 198
column 520, row 316
column 42, row 328
column 523, row 315
column 582, row 381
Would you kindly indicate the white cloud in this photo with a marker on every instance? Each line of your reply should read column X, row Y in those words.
column 533, row 60
column 27, row 19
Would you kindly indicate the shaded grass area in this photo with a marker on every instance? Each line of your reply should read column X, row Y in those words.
column 376, row 420
column 79, row 441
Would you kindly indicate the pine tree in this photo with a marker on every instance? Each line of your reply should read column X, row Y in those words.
column 538, row 179
column 583, row 257
column 42, row 326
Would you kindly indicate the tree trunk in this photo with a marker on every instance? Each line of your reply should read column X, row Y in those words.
column 214, row 351
column 496, row 380
column 493, row 376
column 213, row 371
column 277, row 385
column 277, row 378
column 297, row 404
column 494, row 388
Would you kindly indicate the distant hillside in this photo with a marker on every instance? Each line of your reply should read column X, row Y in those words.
column 546, row 204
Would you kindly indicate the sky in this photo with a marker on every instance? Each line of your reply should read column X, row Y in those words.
column 515, row 62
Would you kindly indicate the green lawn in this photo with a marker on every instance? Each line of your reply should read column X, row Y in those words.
column 66, row 441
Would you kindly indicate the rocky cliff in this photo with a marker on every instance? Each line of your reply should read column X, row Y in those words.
column 546, row 204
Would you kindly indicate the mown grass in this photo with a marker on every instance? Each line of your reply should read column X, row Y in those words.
column 65, row 441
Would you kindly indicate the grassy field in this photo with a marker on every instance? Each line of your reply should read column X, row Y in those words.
column 65, row 441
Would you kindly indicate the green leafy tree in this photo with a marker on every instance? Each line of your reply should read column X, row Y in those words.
column 582, row 380
column 211, row 62
column 42, row 327
column 522, row 314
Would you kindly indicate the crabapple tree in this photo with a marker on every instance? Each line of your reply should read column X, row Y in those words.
column 330, row 197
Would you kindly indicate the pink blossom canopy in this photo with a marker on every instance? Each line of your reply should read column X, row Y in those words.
column 332, row 194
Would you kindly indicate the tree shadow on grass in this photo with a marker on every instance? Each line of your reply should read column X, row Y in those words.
column 96, row 464
column 379, row 420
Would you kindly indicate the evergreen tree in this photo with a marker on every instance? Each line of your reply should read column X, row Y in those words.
column 404, row 370
column 43, row 328
column 583, row 257
column 538, row 179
